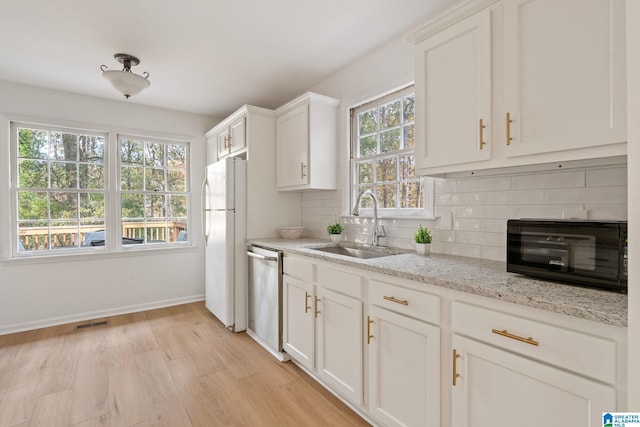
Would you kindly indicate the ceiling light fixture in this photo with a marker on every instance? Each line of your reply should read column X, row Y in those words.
column 125, row 81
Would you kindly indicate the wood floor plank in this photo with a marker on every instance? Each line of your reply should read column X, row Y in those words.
column 52, row 410
column 91, row 388
column 126, row 399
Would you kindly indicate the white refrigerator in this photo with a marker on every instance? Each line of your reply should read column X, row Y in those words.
column 224, row 229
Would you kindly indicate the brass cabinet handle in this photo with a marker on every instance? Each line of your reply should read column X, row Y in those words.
column 456, row 375
column 397, row 301
column 317, row 311
column 302, row 166
column 481, row 133
column 369, row 336
column 504, row 333
column 307, row 307
column 508, row 123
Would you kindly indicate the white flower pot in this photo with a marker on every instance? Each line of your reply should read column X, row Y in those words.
column 335, row 237
column 423, row 248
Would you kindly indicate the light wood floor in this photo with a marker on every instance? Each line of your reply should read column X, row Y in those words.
column 169, row 367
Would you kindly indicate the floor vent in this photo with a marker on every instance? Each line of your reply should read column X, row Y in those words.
column 92, row 324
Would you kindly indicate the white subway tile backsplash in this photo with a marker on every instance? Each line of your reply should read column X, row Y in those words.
column 607, row 177
column 549, row 180
column 471, row 213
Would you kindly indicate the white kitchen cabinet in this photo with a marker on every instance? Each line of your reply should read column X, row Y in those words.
column 231, row 138
column 505, row 365
column 298, row 316
column 502, row 86
column 453, row 94
column 404, row 370
column 306, row 143
column 339, row 343
column 564, row 72
column 495, row 387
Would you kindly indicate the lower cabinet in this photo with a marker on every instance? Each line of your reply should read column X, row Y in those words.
column 298, row 315
column 494, row 387
column 404, row 370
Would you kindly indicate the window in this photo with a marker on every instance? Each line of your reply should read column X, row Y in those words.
column 65, row 201
column 383, row 156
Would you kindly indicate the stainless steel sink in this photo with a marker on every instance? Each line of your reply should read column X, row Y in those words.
column 352, row 252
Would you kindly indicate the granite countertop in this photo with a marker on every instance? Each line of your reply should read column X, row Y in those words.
column 475, row 276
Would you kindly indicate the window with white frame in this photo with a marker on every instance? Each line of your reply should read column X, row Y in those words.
column 65, row 201
column 383, row 157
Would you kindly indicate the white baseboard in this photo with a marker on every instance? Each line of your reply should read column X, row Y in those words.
column 55, row 321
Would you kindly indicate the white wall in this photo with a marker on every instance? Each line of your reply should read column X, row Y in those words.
column 34, row 293
column 633, row 93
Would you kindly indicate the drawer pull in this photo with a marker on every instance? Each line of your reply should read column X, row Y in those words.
column 504, row 333
column 397, row 301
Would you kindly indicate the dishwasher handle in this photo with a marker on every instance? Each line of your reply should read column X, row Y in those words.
column 262, row 257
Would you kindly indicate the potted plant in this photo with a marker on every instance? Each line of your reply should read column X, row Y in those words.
column 422, row 237
column 335, row 231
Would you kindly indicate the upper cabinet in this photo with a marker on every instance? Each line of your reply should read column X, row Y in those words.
column 229, row 137
column 512, row 83
column 306, row 143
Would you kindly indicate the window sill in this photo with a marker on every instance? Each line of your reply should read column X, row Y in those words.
column 394, row 216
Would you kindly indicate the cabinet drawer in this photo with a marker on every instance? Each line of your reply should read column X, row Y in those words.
column 340, row 281
column 405, row 301
column 297, row 267
column 585, row 354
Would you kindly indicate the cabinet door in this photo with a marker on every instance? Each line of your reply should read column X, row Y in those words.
column 299, row 321
column 500, row 389
column 293, row 147
column 404, row 370
column 339, row 327
column 223, row 143
column 237, row 133
column 564, row 74
column 453, row 94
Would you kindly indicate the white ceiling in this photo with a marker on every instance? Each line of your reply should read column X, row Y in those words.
column 203, row 56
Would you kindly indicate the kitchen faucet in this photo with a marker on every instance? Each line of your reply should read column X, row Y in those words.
column 378, row 230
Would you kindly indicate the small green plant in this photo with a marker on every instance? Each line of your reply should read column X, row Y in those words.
column 335, row 229
column 422, row 235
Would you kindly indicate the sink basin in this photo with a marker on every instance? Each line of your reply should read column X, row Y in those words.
column 352, row 252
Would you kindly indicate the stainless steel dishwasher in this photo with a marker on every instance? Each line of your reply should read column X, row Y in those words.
column 265, row 299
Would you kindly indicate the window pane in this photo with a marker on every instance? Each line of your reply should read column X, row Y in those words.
column 176, row 180
column 63, row 146
column 32, row 174
column 411, row 195
column 63, row 205
column 131, row 178
column 32, row 205
column 33, row 143
column 368, row 146
column 176, row 156
column 366, row 201
column 64, row 234
column 409, row 110
column 154, row 155
column 92, row 205
column 367, row 122
column 131, row 152
column 365, row 172
column 33, row 236
column 154, row 179
column 390, row 115
column 132, row 206
column 407, row 167
column 91, row 148
column 155, row 207
column 409, row 136
column 92, row 176
column 390, row 140
column 92, row 234
column 133, row 229
column 177, row 206
column 63, row 175
column 386, row 169
column 386, row 194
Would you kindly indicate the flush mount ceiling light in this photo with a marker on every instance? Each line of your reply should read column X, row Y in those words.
column 125, row 81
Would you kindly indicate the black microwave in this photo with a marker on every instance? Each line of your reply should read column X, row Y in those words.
column 584, row 252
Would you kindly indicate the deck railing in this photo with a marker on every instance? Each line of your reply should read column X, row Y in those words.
column 37, row 238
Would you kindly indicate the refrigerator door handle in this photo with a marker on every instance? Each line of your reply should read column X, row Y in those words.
column 262, row 257
column 203, row 220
